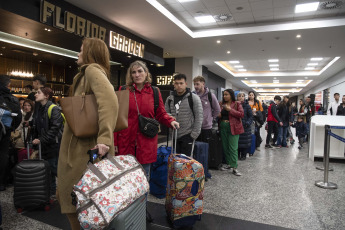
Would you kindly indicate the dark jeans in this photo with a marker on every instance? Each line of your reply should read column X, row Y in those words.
column 53, row 169
column 282, row 136
column 242, row 153
column 184, row 145
column 301, row 140
column 272, row 128
column 205, row 135
column 4, row 157
column 257, row 136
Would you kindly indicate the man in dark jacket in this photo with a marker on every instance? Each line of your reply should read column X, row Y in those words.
column 341, row 108
column 273, row 121
column 9, row 104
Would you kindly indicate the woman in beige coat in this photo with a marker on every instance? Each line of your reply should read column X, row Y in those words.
column 93, row 60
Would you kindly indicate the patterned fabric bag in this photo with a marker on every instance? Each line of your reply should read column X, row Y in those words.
column 185, row 190
column 108, row 188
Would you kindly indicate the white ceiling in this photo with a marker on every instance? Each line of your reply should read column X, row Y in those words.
column 265, row 36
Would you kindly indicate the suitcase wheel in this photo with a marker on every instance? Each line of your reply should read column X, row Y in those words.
column 46, row 208
column 19, row 210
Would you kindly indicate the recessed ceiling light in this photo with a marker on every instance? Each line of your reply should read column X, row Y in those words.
column 234, row 62
column 242, row 70
column 299, row 48
column 0, row 54
column 228, row 52
column 273, row 60
column 39, row 61
column 274, row 69
column 298, row 36
column 274, row 78
column 306, row 7
column 273, row 65
column 167, row 53
column 312, row 64
column 238, row 66
column 246, row 78
column 218, row 41
column 205, row 19
column 316, row 59
column 309, row 68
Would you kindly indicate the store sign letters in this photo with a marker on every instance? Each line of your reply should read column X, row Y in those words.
column 120, row 42
column 165, row 80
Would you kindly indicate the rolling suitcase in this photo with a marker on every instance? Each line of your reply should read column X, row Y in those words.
column 134, row 217
column 185, row 189
column 252, row 145
column 201, row 155
column 32, row 184
column 215, row 154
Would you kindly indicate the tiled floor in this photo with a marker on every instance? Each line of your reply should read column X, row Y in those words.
column 277, row 189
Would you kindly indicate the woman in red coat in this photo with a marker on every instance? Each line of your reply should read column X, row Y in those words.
column 230, row 128
column 131, row 140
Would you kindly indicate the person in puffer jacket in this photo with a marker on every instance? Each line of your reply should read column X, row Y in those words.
column 245, row 139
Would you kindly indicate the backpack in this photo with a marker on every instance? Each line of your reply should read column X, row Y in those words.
column 10, row 104
column 155, row 96
column 190, row 102
column 50, row 113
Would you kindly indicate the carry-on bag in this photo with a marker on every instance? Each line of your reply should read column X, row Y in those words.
column 200, row 154
column 185, row 189
column 252, row 145
column 108, row 188
column 215, row 154
column 32, row 183
column 133, row 218
column 159, row 172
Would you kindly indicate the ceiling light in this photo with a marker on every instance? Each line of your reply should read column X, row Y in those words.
column 273, row 65
column 309, row 68
column 306, row 7
column 312, row 64
column 218, row 41
column 242, row 70
column 316, row 59
column 205, row 19
column 129, row 56
column 298, row 36
column 274, row 78
column 273, row 60
column 299, row 48
column 186, row 1
column 0, row 54
column 246, row 78
column 228, row 52
column 234, row 62
column 274, row 69
column 238, row 66
column 39, row 61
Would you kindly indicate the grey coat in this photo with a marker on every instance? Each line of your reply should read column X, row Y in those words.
column 189, row 124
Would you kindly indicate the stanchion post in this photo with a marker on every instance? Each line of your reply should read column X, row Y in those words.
column 325, row 183
column 326, row 151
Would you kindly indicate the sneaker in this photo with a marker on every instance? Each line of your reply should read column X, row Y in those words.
column 225, row 167
column 236, row 172
column 268, row 147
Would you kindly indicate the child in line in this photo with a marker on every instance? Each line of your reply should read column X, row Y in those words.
column 301, row 130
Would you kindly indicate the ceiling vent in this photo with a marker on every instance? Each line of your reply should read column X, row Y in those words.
column 330, row 5
column 222, row 17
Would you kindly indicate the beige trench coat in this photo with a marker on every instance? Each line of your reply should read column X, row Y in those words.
column 73, row 155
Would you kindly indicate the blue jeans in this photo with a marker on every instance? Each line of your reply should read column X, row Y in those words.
column 282, row 131
column 147, row 168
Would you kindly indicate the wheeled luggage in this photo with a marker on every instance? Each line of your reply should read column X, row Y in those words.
column 201, row 155
column 32, row 183
column 134, row 217
column 252, row 145
column 159, row 172
column 185, row 189
column 108, row 188
column 215, row 154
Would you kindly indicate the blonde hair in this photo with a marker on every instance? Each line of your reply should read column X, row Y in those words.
column 240, row 93
column 129, row 79
column 96, row 51
column 199, row 78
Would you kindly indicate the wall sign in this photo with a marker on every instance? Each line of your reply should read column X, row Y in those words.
column 127, row 45
column 165, row 80
column 70, row 22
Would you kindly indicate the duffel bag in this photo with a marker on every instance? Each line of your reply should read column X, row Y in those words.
column 108, row 188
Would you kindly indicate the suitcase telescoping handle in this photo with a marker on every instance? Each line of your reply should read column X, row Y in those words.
column 173, row 144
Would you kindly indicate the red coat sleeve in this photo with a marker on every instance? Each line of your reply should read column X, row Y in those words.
column 239, row 113
column 161, row 115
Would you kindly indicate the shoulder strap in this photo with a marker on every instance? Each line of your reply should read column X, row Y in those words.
column 190, row 102
column 210, row 98
column 155, row 97
column 50, row 110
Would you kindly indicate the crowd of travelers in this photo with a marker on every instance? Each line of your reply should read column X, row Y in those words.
column 240, row 117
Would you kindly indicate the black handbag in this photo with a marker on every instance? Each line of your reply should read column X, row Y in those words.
column 148, row 126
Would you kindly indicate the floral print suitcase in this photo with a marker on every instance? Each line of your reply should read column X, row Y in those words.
column 185, row 189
